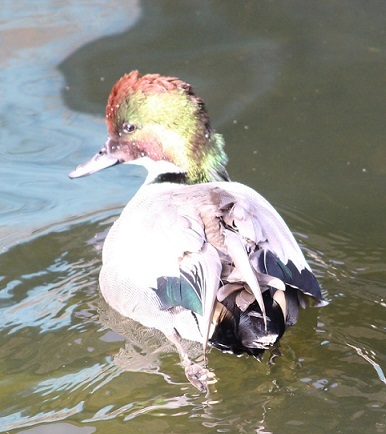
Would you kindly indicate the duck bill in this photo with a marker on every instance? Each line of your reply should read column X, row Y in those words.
column 99, row 161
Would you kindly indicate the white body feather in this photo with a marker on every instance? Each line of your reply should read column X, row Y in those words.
column 165, row 227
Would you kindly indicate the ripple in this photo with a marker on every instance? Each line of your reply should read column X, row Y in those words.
column 22, row 421
column 369, row 359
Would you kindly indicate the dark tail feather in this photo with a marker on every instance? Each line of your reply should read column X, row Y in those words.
column 244, row 332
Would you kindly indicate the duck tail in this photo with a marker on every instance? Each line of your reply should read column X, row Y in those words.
column 240, row 331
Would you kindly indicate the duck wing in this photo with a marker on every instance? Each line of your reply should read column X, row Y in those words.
column 190, row 259
column 158, row 250
column 270, row 245
column 264, row 272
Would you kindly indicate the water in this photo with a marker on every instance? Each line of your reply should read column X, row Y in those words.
column 298, row 91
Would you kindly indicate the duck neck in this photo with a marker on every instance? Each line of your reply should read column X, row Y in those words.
column 210, row 164
column 174, row 178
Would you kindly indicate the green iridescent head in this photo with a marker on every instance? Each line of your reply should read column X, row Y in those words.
column 161, row 118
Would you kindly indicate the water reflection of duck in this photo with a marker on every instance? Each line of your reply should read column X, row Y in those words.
column 193, row 254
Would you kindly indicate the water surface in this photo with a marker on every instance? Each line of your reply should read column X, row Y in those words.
column 298, row 92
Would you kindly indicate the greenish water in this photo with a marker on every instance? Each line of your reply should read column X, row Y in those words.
column 298, row 90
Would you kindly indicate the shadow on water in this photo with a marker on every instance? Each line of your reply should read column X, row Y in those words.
column 194, row 41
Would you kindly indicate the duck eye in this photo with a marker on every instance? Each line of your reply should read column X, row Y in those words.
column 128, row 128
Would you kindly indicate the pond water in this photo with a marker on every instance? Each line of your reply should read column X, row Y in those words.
column 298, row 90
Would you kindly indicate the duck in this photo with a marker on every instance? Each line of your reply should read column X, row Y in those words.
column 193, row 254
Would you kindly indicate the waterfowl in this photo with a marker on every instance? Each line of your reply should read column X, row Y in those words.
column 193, row 254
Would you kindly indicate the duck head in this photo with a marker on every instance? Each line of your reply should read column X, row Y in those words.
column 161, row 119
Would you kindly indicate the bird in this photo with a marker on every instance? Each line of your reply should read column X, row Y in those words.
column 193, row 254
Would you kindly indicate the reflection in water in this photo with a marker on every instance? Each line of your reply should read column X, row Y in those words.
column 66, row 364
column 369, row 359
column 52, row 417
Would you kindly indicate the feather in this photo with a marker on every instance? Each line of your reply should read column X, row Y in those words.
column 239, row 256
column 221, row 267
column 244, row 299
column 227, row 290
column 179, row 291
column 206, row 266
